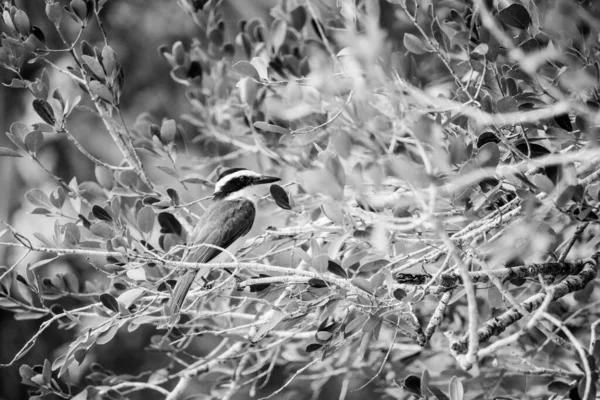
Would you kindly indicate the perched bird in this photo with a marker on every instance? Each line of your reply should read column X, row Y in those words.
column 226, row 220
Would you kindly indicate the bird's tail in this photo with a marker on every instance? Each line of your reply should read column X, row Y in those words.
column 181, row 290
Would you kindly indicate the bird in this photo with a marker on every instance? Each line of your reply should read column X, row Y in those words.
column 229, row 218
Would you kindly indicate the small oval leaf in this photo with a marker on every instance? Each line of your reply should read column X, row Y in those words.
column 101, row 213
column 109, row 302
column 336, row 269
column 280, row 197
column 317, row 283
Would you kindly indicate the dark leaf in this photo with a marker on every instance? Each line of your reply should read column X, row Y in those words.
column 532, row 150
column 298, row 17
column 169, row 224
column 174, row 196
column 101, row 213
column 149, row 200
column 515, row 15
column 44, row 110
column 486, row 137
column 564, row 122
column 336, row 269
column 313, row 347
column 412, row 383
column 559, row 387
column 259, row 287
column 399, row 294
column 317, row 283
column 109, row 302
column 280, row 196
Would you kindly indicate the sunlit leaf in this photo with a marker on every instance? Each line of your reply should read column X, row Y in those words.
column 415, row 45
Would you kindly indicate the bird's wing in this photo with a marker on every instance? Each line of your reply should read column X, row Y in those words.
column 221, row 225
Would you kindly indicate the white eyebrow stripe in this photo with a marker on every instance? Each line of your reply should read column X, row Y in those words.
column 223, row 181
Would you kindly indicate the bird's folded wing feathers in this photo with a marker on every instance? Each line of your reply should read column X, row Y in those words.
column 220, row 226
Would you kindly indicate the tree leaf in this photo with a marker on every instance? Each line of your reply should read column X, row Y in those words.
column 355, row 325
column 248, row 89
column 6, row 152
column 488, row 155
column 169, row 224
column 93, row 67
column 412, row 383
column 415, row 45
column 313, row 347
column 21, row 21
column 564, row 122
column 515, row 15
column 280, row 197
column 54, row 12
column 507, row 105
column 455, row 388
column 264, row 329
column 109, row 61
column 71, row 282
column 317, row 283
column 107, row 335
column 109, row 302
column 278, row 33
column 168, row 131
column 101, row 213
column 298, row 17
column 38, row 198
column 99, row 90
column 197, row 180
column 246, row 69
column 363, row 284
column 33, row 141
column 145, row 219
column 16, row 84
column 44, row 110
column 336, row 269
column 264, row 126
column 137, row 274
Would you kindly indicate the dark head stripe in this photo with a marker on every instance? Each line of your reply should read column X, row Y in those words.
column 232, row 186
column 228, row 172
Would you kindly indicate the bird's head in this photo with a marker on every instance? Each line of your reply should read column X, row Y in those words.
column 239, row 182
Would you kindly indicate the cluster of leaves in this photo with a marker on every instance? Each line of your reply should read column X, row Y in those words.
column 385, row 176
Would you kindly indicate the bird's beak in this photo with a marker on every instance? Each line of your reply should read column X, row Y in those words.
column 266, row 179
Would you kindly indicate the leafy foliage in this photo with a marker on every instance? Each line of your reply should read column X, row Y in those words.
column 440, row 169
